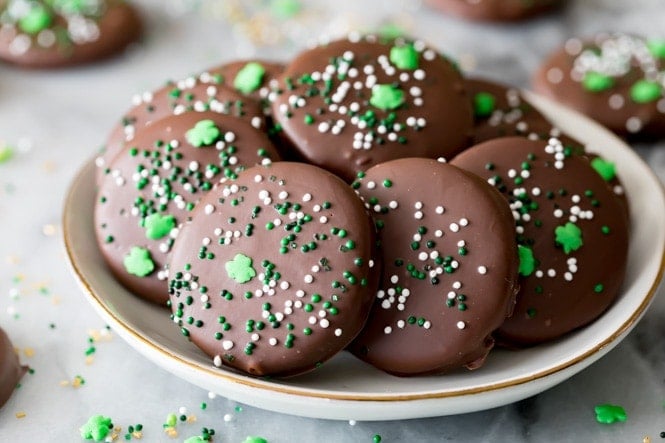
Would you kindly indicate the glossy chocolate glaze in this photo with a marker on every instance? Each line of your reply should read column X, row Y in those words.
column 557, row 200
column 310, row 246
column 450, row 267
column 181, row 182
column 11, row 370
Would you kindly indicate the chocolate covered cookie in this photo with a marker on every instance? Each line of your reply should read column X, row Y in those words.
column 200, row 93
column 11, row 370
column 617, row 79
column 153, row 185
column 450, row 267
column 353, row 103
column 571, row 231
column 56, row 33
column 275, row 273
column 494, row 10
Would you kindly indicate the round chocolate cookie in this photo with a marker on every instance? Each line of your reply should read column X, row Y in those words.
column 353, row 103
column 275, row 273
column 201, row 93
column 571, row 232
column 11, row 370
column 450, row 267
column 617, row 79
column 153, row 185
column 494, row 10
column 57, row 33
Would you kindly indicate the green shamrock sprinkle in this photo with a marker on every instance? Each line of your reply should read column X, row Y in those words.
column 404, row 57
column 36, row 20
column 285, row 8
column 645, row 91
column 527, row 261
column 484, row 104
column 249, row 78
column 609, row 414
column 569, row 237
column 6, row 153
column 606, row 169
column 196, row 439
column 204, row 133
column 138, row 262
column 657, row 47
column 240, row 268
column 97, row 428
column 251, row 439
column 390, row 31
column 158, row 226
column 386, row 97
column 596, row 82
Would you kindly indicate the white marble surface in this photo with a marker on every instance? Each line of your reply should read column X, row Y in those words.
column 56, row 120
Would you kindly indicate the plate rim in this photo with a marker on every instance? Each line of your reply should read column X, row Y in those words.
column 239, row 379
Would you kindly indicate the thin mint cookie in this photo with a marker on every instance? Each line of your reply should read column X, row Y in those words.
column 353, row 103
column 571, row 231
column 153, row 185
column 275, row 273
column 450, row 267
column 204, row 92
column 58, row 33
column 11, row 370
column 616, row 79
column 494, row 10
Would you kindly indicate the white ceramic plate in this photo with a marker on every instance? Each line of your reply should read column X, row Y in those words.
column 346, row 388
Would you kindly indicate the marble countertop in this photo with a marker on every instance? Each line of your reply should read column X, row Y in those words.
column 57, row 120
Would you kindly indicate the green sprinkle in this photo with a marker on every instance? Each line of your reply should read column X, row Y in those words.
column 527, row 261
column 645, row 91
column 240, row 268
column 598, row 288
column 6, row 153
column 605, row 229
column 158, row 226
column 96, row 428
column 386, row 97
column 606, row 169
column 484, row 104
column 387, row 183
column 138, row 262
column 608, row 414
column 204, row 133
column 249, row 78
column 285, row 9
column 376, row 438
column 36, row 20
column 569, row 236
column 251, row 439
column 404, row 57
column 657, row 47
column 196, row 439
column 595, row 82
column 309, row 120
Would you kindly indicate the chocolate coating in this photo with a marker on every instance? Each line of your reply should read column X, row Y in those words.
column 450, row 267
column 354, row 103
column 11, row 370
column 612, row 79
column 494, row 10
column 154, row 184
column 572, row 234
column 201, row 93
column 95, row 30
column 278, row 274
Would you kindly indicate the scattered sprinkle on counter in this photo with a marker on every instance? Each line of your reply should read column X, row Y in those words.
column 608, row 414
column 96, row 428
column 252, row 439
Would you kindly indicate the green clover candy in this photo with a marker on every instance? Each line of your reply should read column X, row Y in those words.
column 609, row 414
column 249, row 78
column 604, row 168
column 484, row 104
column 240, row 268
column 569, row 237
column 386, row 97
column 158, row 226
column 138, row 262
column 36, row 20
column 404, row 57
column 204, row 133
column 96, row 428
column 527, row 261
